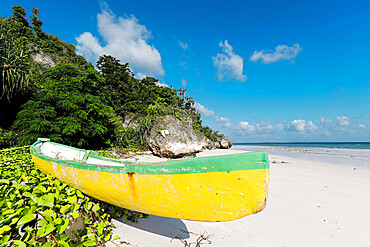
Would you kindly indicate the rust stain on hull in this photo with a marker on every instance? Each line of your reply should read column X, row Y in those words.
column 132, row 183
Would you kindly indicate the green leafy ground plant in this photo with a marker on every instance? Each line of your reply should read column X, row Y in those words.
column 37, row 209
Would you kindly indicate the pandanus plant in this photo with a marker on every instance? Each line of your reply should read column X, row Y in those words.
column 14, row 67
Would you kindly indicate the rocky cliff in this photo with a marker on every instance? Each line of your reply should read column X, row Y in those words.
column 172, row 138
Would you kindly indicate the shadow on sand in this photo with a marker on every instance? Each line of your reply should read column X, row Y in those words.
column 167, row 227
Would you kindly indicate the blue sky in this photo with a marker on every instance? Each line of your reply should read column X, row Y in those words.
column 260, row 71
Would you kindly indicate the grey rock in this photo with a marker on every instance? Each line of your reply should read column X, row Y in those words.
column 225, row 143
column 130, row 121
column 172, row 138
column 210, row 145
column 44, row 59
column 217, row 145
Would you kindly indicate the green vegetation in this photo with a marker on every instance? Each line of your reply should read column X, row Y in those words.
column 14, row 76
column 69, row 109
column 36, row 209
column 68, row 101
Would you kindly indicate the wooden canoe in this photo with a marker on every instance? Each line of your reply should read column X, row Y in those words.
column 217, row 188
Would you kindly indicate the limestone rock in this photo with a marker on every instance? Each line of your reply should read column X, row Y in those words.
column 211, row 145
column 217, row 145
column 130, row 121
column 44, row 59
column 172, row 138
column 225, row 143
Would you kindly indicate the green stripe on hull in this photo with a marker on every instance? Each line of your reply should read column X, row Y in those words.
column 222, row 163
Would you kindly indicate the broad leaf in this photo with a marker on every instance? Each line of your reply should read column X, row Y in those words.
column 25, row 219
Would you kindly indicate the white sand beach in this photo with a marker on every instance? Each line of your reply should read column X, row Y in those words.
column 315, row 199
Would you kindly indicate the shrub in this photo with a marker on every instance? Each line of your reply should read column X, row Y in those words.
column 35, row 209
column 7, row 138
column 68, row 110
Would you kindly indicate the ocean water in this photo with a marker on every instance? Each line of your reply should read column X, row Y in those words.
column 348, row 145
column 342, row 153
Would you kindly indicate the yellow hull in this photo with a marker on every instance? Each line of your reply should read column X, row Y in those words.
column 208, row 196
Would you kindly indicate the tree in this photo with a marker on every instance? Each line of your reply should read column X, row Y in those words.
column 19, row 14
column 149, row 81
column 68, row 110
column 119, row 80
column 111, row 68
column 37, row 23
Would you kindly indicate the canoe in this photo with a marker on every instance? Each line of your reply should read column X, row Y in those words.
column 216, row 188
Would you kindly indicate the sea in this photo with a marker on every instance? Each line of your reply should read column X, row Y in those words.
column 342, row 153
column 348, row 145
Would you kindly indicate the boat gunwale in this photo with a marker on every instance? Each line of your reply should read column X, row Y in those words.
column 183, row 166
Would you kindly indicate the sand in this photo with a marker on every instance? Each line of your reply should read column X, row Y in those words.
column 311, row 203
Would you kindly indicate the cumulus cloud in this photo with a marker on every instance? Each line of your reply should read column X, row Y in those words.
column 141, row 75
column 362, row 126
column 228, row 64
column 301, row 126
column 161, row 84
column 282, row 52
column 202, row 109
column 325, row 123
column 310, row 126
column 125, row 39
column 264, row 127
column 183, row 45
column 244, row 125
column 343, row 121
column 224, row 122
column 279, row 127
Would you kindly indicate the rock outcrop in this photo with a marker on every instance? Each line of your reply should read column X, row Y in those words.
column 130, row 121
column 172, row 138
column 44, row 59
column 225, row 143
column 210, row 144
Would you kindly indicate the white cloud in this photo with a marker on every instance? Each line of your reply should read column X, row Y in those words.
column 279, row 127
column 161, row 84
column 310, row 126
column 125, row 39
column 362, row 126
column 90, row 47
column 343, row 121
column 228, row 64
column 224, row 122
column 261, row 128
column 183, row 45
column 244, row 125
column 282, row 52
column 264, row 127
column 207, row 113
column 141, row 75
column 301, row 126
column 325, row 123
column 184, row 83
column 297, row 125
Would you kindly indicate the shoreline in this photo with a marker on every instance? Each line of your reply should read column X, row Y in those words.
column 311, row 203
column 359, row 158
